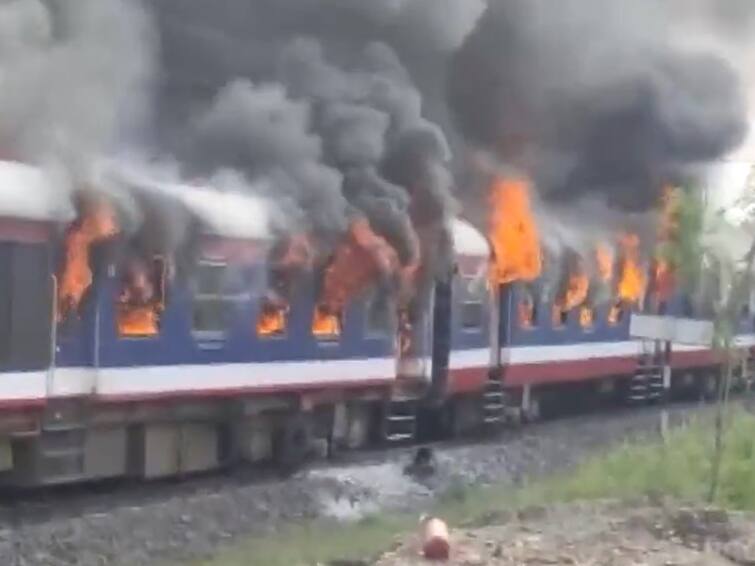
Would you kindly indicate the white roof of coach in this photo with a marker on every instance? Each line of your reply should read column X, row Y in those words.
column 468, row 241
column 29, row 193
column 230, row 214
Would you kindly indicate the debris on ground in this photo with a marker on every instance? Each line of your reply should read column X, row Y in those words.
column 423, row 465
column 606, row 533
column 435, row 539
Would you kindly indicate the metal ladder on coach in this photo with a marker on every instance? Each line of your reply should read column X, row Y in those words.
column 646, row 385
column 400, row 421
column 62, row 444
column 493, row 402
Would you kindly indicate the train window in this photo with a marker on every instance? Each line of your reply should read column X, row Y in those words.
column 141, row 299
column 326, row 326
column 471, row 316
column 214, row 299
column 272, row 320
column 559, row 317
column 527, row 313
column 615, row 314
column 377, row 320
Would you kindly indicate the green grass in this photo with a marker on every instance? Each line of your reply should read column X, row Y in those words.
column 678, row 467
column 318, row 542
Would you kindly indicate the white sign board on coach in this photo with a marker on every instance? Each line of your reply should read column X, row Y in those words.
column 672, row 329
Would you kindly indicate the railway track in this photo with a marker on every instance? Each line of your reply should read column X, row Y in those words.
column 136, row 524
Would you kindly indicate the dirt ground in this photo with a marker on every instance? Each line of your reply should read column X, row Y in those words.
column 602, row 534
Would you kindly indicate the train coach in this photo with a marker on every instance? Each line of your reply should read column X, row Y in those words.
column 138, row 338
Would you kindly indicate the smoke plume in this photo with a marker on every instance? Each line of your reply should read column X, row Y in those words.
column 339, row 109
column 591, row 96
column 74, row 75
column 332, row 117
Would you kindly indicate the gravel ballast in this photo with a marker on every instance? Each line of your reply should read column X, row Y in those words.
column 145, row 525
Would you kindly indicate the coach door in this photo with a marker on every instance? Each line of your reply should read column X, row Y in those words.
column 26, row 318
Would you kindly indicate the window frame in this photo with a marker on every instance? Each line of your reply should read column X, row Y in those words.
column 329, row 339
column 563, row 319
column 284, row 335
column 369, row 331
column 470, row 297
column 163, row 299
column 533, row 321
column 219, row 296
column 480, row 327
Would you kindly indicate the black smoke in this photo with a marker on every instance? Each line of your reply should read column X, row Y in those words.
column 338, row 105
column 591, row 96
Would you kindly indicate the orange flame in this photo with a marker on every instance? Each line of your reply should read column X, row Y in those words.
column 137, row 321
column 404, row 332
column 298, row 253
column 526, row 313
column 98, row 223
column 272, row 320
column 604, row 260
column 576, row 288
column 139, row 306
column 586, row 316
column 513, row 232
column 632, row 278
column 663, row 280
column 574, row 295
column 358, row 261
column 325, row 324
column 662, row 272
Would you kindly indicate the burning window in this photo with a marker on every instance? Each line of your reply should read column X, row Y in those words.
column 573, row 295
column 361, row 258
column 616, row 313
column 586, row 316
column 141, row 300
column 272, row 320
column 214, row 298
column 326, row 325
column 404, row 332
column 631, row 286
column 527, row 310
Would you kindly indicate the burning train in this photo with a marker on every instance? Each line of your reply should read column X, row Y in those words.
column 122, row 354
